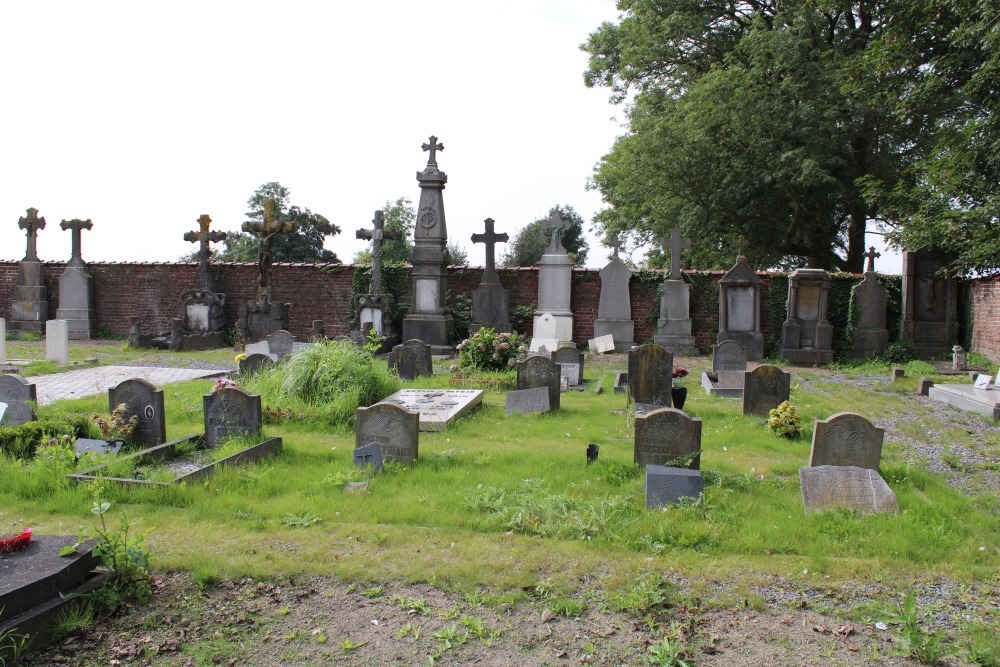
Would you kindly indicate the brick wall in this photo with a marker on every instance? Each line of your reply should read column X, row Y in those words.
column 985, row 305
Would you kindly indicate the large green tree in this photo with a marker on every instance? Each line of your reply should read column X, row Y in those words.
column 400, row 216
column 529, row 243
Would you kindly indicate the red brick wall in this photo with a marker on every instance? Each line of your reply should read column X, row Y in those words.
column 985, row 295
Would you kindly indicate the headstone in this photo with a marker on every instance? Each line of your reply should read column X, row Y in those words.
column 369, row 455
column 230, row 412
column 438, row 408
column 490, row 302
column 739, row 307
column 3, row 341
column 765, row 388
column 958, row 358
column 673, row 328
column 846, row 439
column 318, row 330
column 850, row 487
column 668, row 486
column 603, row 344
column 395, row 429
column 729, row 356
column 254, row 363
column 76, row 300
column 806, row 336
column 621, row 382
column 528, row 401
column 262, row 317
column 929, row 303
column 280, row 344
column 57, row 341
column 614, row 310
column 571, row 362
column 411, row 359
column 145, row 402
column 540, row 372
column 870, row 304
column 555, row 284
column 650, row 375
column 30, row 307
column 16, row 392
column 372, row 309
column 429, row 319
column 3, row 410
column 668, row 437
column 982, row 381
column 545, row 334
column 924, row 385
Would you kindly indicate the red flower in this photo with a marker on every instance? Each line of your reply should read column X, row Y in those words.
column 680, row 372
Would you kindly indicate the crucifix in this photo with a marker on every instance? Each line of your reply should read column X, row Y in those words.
column 377, row 236
column 204, row 237
column 556, row 224
column 675, row 245
column 433, row 147
column 77, row 225
column 871, row 255
column 490, row 239
column 265, row 230
column 31, row 225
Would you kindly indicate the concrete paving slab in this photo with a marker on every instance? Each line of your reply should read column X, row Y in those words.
column 93, row 381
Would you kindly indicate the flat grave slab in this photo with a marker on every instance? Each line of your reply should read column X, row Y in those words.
column 437, row 407
column 966, row 397
column 850, row 487
column 728, row 385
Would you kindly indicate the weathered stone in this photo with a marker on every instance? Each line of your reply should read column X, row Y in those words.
column 372, row 309
column 395, row 429
column 765, row 388
column 602, row 344
column 846, row 439
column 540, row 372
column 739, row 307
column 898, row 373
column 850, row 487
column 871, row 304
column 411, row 359
column 253, row 364
column 369, row 455
column 806, row 336
column 57, row 342
column 666, row 485
column 555, row 277
column 16, row 392
column 958, row 358
column 490, row 302
column 29, row 307
column 614, row 310
column 528, row 401
column 668, row 437
column 929, row 303
column 76, row 303
column 924, row 385
column 724, row 384
column 571, row 362
column 650, row 374
column 144, row 402
column 280, row 344
column 729, row 356
column 230, row 412
column 438, row 408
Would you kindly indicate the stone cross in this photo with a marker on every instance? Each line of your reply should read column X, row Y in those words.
column 556, row 225
column 204, row 237
column 433, row 147
column 265, row 230
column 490, row 239
column 743, row 242
column 675, row 245
column 77, row 225
column 871, row 255
column 377, row 236
column 615, row 244
column 31, row 225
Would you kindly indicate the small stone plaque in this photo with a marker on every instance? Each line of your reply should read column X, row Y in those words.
column 369, row 455
column 667, row 437
column 528, row 401
column 145, row 402
column 846, row 439
column 395, row 429
column 982, row 381
column 667, row 486
column 16, row 392
column 832, row 487
column 230, row 411
column 437, row 407
column 540, row 372
column 602, row 344
column 571, row 361
column 765, row 388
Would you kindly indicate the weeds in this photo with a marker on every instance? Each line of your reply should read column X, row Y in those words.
column 916, row 641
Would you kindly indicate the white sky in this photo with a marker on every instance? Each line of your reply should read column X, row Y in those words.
column 142, row 116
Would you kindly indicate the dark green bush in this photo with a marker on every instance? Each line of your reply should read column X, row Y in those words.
column 20, row 442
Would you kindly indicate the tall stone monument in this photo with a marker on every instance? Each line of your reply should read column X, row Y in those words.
column 870, row 304
column 806, row 336
column 30, row 309
column 614, row 310
column 371, row 310
column 429, row 319
column 490, row 302
column 262, row 317
column 929, row 303
column 673, row 329
column 739, row 307
column 76, row 295
column 203, row 321
column 555, row 284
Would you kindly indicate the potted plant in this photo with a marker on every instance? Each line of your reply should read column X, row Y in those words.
column 11, row 542
column 678, row 393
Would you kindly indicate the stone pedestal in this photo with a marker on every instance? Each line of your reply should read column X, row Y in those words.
column 614, row 311
column 929, row 319
column 30, row 308
column 806, row 337
column 76, row 305
column 739, row 309
column 673, row 329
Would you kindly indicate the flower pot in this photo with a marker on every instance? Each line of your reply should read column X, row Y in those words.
column 11, row 544
column 677, row 396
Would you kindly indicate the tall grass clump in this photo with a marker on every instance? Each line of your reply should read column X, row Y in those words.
column 329, row 380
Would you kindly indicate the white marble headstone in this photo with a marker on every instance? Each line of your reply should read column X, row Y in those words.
column 3, row 409
column 983, row 381
column 602, row 344
column 57, row 341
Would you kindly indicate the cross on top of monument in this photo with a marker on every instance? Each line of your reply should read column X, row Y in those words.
column 675, row 245
column 204, row 237
column 377, row 236
column 433, row 147
column 268, row 227
column 31, row 224
column 77, row 226
column 556, row 224
column 490, row 238
column 615, row 244
column 871, row 255
column 743, row 242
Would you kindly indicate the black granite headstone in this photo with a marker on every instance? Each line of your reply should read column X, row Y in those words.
column 145, row 402
column 229, row 412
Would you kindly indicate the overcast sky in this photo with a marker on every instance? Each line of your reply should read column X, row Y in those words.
column 142, row 116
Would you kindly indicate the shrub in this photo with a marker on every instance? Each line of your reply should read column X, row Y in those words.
column 784, row 420
column 20, row 442
column 896, row 352
column 487, row 350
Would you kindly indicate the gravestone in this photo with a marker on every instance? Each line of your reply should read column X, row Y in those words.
column 570, row 362
column 555, row 285
column 76, row 299
column 145, row 402
column 614, row 310
column 621, row 382
column 673, row 328
column 372, row 309
column 438, row 408
column 230, row 412
column 253, row 364
column 806, row 336
column 30, row 307
column 765, row 388
column 203, row 321
column 650, row 375
column 871, row 303
column 395, row 429
column 262, row 317
column 3, row 341
column 846, row 439
column 429, row 318
column 739, row 307
column 490, row 301
column 929, row 303
column 668, row 437
column 16, row 392
column 729, row 356
column 850, row 487
column 411, row 359
column 280, row 344
column 369, row 455
column 57, row 342
column 540, row 372
column 668, row 486
column 545, row 334
column 603, row 344
column 528, row 401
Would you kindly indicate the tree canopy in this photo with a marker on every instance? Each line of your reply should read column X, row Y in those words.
column 529, row 243
column 400, row 216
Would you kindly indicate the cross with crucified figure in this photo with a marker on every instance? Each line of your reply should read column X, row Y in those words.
column 265, row 230
column 433, row 147
column 204, row 237
column 555, row 225
column 377, row 236
column 31, row 225
column 675, row 245
column 871, row 255
column 490, row 238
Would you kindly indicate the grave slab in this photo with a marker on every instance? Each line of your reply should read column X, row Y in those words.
column 851, row 487
column 437, row 407
column 528, row 401
column 665, row 485
column 966, row 397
